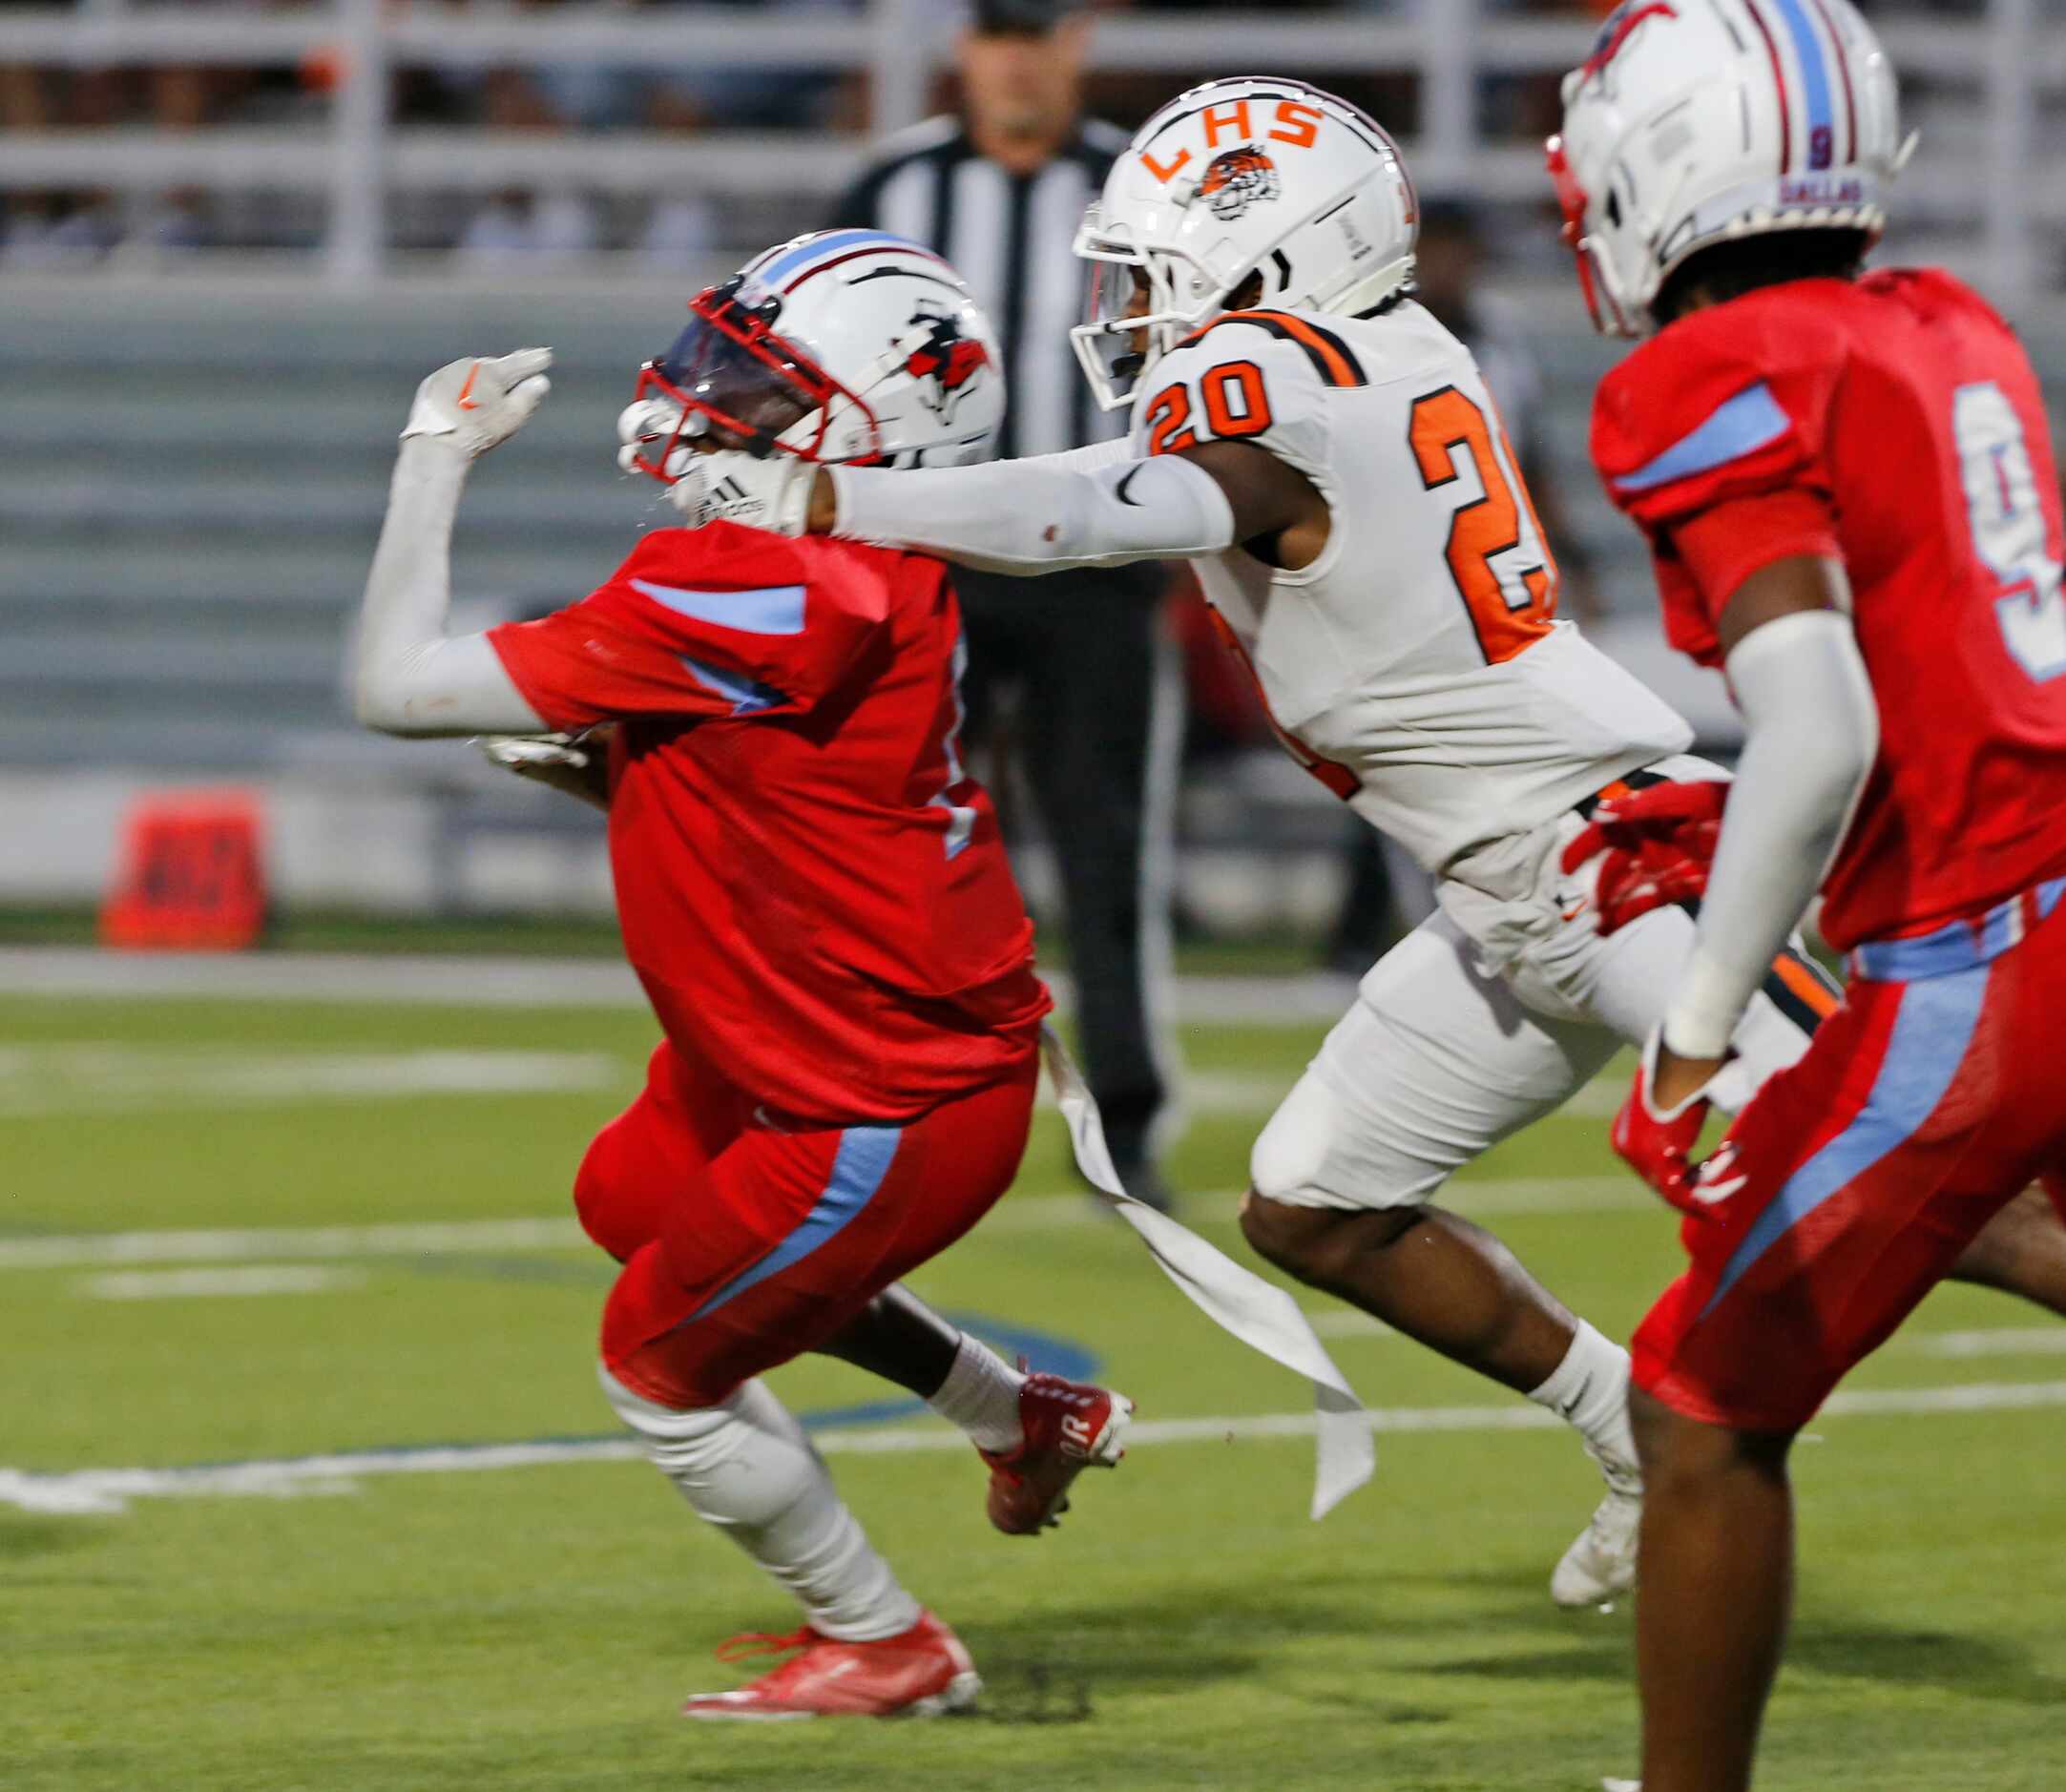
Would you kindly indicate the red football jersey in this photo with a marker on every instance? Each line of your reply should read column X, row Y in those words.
column 811, row 888
column 1896, row 422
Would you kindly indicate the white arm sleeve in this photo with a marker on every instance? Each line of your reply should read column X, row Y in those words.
column 408, row 676
column 1813, row 728
column 1090, row 508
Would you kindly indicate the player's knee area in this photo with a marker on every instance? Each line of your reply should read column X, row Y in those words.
column 1290, row 1157
column 652, row 1345
column 1308, row 1156
column 1678, row 1451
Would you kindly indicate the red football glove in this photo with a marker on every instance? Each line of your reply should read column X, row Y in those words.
column 1659, row 1146
column 1659, row 846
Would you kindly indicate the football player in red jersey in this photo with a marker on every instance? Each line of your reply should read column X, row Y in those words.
column 814, row 895
column 1847, row 484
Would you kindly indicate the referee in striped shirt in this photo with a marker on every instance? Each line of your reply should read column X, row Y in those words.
column 999, row 192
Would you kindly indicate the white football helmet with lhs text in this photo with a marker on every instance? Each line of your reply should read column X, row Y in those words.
column 846, row 345
column 1696, row 122
column 1249, row 177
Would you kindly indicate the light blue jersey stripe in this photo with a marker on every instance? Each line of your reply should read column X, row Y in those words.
column 746, row 696
column 858, row 1169
column 1932, row 1033
column 1815, row 73
column 775, row 610
column 1957, row 944
column 839, row 242
column 1749, row 420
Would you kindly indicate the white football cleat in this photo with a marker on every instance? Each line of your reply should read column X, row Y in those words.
column 1602, row 1564
column 1620, row 1785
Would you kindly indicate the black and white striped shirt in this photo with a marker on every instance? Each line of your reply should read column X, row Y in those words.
column 1011, row 238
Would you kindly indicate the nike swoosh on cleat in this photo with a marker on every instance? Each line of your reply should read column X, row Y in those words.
column 466, row 403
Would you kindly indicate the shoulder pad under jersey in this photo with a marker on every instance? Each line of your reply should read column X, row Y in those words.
column 1730, row 402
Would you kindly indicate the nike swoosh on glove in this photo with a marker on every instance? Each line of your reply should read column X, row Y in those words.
column 1656, row 847
column 730, row 486
column 1658, row 1146
column 480, row 402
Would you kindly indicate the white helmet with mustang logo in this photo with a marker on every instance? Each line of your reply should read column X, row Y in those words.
column 848, row 345
column 1703, row 121
column 1235, row 178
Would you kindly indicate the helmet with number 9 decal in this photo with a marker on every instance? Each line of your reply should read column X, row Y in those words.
column 1696, row 122
column 1255, row 177
column 848, row 345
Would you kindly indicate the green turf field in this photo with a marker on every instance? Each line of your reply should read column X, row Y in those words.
column 533, row 1626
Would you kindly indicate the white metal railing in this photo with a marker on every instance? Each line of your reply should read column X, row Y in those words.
column 2009, row 61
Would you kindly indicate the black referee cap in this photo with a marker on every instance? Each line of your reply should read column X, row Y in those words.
column 1035, row 18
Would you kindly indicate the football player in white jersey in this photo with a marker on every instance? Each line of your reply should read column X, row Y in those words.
column 1328, row 457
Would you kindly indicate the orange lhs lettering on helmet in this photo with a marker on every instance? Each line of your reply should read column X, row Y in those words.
column 1230, row 119
column 1297, row 124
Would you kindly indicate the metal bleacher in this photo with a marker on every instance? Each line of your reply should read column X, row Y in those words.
column 194, row 458
column 190, row 490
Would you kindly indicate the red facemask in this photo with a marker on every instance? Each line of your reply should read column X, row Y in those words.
column 740, row 385
column 1574, row 201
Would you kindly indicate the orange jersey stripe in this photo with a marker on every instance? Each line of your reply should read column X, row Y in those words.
column 1333, row 362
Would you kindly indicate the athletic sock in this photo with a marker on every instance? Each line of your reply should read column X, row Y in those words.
column 1590, row 1389
column 981, row 1395
column 747, row 1467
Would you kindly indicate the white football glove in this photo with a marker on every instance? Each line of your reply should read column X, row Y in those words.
column 480, row 403
column 773, row 495
column 528, row 754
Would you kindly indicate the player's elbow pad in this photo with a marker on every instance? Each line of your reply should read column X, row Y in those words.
column 453, row 685
column 375, row 700
column 1041, row 516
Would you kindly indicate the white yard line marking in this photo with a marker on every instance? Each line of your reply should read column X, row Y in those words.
column 489, row 981
column 104, row 1077
column 173, row 1284
column 1233, row 1092
column 2035, row 1340
column 290, row 1241
column 1029, row 1213
column 111, row 1489
column 77, row 1076
column 1601, row 1098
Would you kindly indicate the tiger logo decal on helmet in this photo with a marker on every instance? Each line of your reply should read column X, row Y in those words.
column 1238, row 180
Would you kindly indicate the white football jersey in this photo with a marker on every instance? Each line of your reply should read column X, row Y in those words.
column 1416, row 667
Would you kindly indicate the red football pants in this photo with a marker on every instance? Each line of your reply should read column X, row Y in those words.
column 745, row 1244
column 1921, row 1109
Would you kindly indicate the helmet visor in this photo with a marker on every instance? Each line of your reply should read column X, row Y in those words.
column 1116, row 299
column 1133, row 314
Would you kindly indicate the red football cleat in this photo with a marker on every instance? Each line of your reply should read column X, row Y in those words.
column 1070, row 1426
column 921, row 1673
